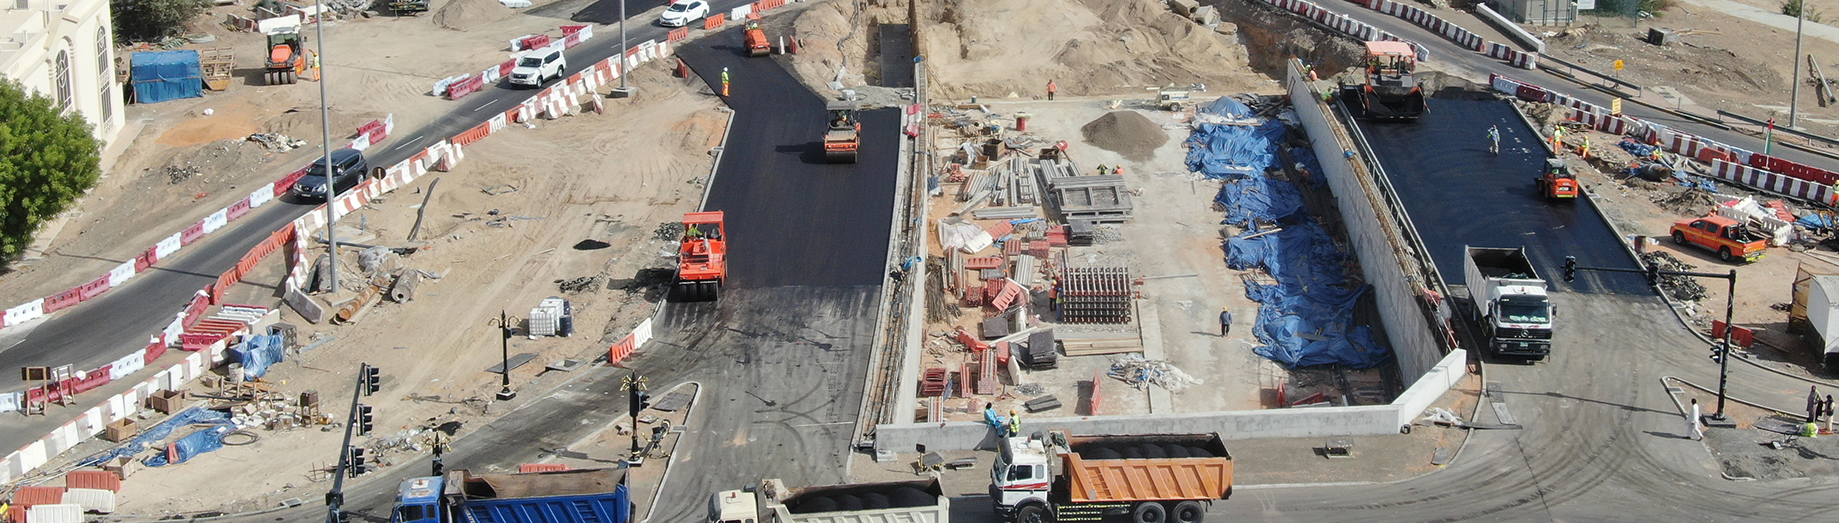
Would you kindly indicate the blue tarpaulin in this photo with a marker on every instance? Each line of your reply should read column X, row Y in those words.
column 219, row 420
column 1224, row 150
column 256, row 353
column 1635, row 148
column 166, row 75
column 1306, row 317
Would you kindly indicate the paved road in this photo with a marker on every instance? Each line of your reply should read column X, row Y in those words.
column 1447, row 55
column 99, row 331
column 1460, row 194
column 782, row 354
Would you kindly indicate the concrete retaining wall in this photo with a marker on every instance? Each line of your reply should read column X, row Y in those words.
column 1407, row 328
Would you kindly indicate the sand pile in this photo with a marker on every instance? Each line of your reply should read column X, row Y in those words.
column 461, row 15
column 1127, row 133
column 304, row 123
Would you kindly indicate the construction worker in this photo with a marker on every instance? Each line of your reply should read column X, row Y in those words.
column 1015, row 423
column 994, row 420
column 724, row 81
column 314, row 60
column 1557, row 138
column 1494, row 135
column 1584, row 150
column 1050, row 90
column 1102, row 170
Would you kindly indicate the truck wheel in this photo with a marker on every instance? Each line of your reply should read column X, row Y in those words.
column 1149, row 512
column 1724, row 254
column 1033, row 514
column 1679, row 237
column 1190, row 512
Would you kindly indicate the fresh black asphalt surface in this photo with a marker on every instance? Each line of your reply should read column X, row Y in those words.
column 96, row 332
column 1458, row 193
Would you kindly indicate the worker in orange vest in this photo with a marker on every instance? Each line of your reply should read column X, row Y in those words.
column 1050, row 90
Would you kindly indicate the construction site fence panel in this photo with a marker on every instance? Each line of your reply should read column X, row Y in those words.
column 713, row 22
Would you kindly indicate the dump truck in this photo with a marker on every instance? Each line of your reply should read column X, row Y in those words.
column 1557, row 182
column 569, row 496
column 1510, row 301
column 702, row 258
column 757, row 44
column 915, row 501
column 1139, row 479
column 286, row 56
column 409, row 6
column 1390, row 92
column 844, row 135
column 1731, row 239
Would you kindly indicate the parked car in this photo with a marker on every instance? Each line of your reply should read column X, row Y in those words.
column 349, row 170
column 683, row 12
column 538, row 66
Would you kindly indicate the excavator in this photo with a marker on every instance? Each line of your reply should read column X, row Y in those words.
column 702, row 259
column 1557, row 182
column 1390, row 92
column 845, row 133
column 285, row 60
column 757, row 44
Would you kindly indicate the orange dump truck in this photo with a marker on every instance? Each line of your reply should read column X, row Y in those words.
column 1137, row 478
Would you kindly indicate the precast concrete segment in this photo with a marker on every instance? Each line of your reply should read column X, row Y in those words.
column 793, row 219
column 1458, row 193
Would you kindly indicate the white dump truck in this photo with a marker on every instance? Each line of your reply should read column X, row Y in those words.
column 1510, row 301
column 918, row 501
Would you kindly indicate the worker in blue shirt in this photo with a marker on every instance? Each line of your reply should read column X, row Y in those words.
column 994, row 420
column 1225, row 322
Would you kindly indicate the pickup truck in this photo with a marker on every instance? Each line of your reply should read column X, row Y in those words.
column 1732, row 240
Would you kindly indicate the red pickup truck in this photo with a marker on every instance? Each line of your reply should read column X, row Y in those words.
column 1730, row 239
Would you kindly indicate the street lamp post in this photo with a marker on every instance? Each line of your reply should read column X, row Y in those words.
column 1721, row 353
column 624, row 89
column 1794, row 95
column 325, row 134
column 504, row 344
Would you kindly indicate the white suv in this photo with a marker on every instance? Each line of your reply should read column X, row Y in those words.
column 682, row 12
column 538, row 66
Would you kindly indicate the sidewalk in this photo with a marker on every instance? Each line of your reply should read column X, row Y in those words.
column 1769, row 18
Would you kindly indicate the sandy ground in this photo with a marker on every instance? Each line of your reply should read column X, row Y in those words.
column 644, row 164
column 376, row 66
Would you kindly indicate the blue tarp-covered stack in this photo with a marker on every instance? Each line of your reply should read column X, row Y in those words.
column 258, row 352
column 166, row 75
column 1306, row 317
column 191, row 445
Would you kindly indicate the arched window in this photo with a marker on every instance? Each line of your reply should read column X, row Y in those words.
column 105, row 82
column 61, row 70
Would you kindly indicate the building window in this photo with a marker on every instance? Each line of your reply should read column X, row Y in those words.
column 22, row 4
column 104, row 58
column 62, row 72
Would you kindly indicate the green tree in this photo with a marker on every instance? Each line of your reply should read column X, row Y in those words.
column 47, row 161
column 146, row 20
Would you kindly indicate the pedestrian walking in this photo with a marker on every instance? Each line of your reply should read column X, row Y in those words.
column 1494, row 135
column 1050, row 90
column 724, row 81
column 1693, row 429
column 1225, row 322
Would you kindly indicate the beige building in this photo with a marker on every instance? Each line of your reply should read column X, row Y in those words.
column 63, row 49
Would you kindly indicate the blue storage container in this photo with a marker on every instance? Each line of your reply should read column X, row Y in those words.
column 166, row 75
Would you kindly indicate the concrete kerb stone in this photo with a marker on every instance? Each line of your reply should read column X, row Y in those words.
column 1513, row 30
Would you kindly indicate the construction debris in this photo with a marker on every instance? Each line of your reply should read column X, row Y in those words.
column 276, row 141
column 1141, row 373
column 176, row 175
column 1682, row 288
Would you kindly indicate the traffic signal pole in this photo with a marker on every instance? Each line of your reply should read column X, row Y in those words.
column 1720, row 353
column 335, row 499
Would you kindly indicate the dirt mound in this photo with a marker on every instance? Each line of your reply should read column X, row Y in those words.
column 303, row 123
column 461, row 15
column 1127, row 133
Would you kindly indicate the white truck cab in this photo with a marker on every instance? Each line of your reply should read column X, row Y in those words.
column 537, row 66
column 733, row 506
column 1020, row 474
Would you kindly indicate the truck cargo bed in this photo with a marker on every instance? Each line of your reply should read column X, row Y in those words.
column 1147, row 468
column 917, row 501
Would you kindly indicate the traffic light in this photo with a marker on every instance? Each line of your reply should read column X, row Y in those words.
column 1717, row 353
column 372, row 381
column 640, row 400
column 1570, row 269
column 1653, row 273
column 364, row 420
column 357, row 462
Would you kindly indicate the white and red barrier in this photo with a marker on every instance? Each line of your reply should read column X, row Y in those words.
column 624, row 348
column 1772, row 182
column 1344, row 24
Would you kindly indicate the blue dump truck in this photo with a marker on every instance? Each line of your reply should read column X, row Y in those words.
column 569, row 496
